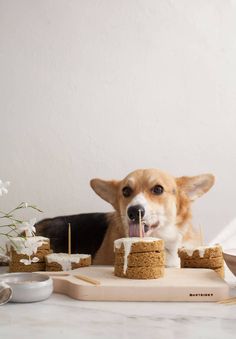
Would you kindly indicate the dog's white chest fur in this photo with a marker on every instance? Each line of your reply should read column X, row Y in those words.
column 173, row 240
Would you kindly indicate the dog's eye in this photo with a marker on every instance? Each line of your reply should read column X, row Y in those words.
column 158, row 189
column 127, row 191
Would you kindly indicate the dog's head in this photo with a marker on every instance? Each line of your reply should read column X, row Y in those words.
column 153, row 196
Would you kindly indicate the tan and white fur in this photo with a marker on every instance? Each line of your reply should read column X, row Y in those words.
column 166, row 205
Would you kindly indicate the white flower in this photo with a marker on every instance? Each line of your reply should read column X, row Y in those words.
column 3, row 187
column 29, row 246
column 32, row 245
column 28, row 227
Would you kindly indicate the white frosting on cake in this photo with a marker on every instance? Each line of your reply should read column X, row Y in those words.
column 200, row 249
column 127, row 243
column 27, row 245
column 66, row 260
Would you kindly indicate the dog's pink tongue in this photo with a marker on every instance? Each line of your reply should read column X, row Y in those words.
column 134, row 230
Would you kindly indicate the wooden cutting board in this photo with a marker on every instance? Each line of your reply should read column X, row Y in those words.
column 177, row 285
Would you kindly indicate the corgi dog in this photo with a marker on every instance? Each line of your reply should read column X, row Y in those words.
column 154, row 198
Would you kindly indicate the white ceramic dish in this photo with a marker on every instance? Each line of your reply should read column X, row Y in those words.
column 230, row 259
column 28, row 287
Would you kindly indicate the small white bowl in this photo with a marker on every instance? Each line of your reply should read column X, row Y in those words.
column 28, row 287
column 230, row 259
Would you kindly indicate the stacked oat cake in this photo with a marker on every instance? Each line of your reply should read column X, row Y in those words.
column 139, row 258
column 28, row 254
column 203, row 257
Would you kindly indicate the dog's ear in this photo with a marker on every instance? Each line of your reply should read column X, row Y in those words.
column 195, row 186
column 107, row 190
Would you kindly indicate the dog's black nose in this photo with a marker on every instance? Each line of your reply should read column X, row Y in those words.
column 133, row 212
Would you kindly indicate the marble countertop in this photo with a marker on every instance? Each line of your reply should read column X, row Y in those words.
column 63, row 317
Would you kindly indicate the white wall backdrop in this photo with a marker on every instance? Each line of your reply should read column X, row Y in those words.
column 100, row 88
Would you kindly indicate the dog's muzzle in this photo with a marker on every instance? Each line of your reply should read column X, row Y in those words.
column 134, row 212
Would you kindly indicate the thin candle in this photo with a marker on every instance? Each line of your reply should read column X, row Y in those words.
column 140, row 224
column 69, row 238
